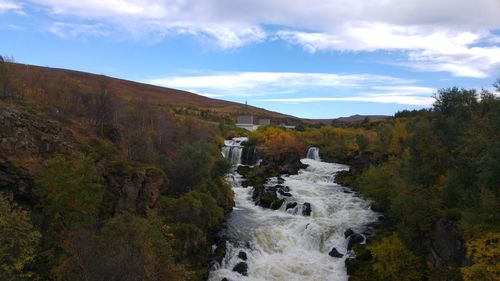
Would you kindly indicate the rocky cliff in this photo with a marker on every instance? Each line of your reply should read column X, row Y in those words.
column 28, row 141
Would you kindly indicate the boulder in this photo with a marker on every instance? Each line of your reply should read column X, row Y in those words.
column 241, row 268
column 283, row 187
column 334, row 253
column 242, row 255
column 267, row 197
column 306, row 209
column 291, row 205
column 243, row 170
column 354, row 239
column 348, row 233
column 283, row 193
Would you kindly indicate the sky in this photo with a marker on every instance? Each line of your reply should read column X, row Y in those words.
column 308, row 58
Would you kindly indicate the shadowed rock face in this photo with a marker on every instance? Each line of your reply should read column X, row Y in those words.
column 26, row 142
column 26, row 136
column 446, row 248
column 133, row 190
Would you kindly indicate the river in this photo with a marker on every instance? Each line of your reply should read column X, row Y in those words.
column 284, row 244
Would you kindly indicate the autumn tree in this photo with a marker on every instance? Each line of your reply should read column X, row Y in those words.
column 485, row 253
column 126, row 248
column 18, row 242
column 394, row 262
column 70, row 192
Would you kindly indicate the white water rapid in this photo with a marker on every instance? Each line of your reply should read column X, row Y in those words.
column 282, row 245
column 233, row 149
column 313, row 153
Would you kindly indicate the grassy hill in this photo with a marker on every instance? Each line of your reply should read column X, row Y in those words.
column 30, row 74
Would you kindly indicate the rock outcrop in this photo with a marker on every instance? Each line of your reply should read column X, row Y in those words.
column 133, row 189
column 26, row 142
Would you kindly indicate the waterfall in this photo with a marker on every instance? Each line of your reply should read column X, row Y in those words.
column 313, row 153
column 233, row 149
column 284, row 244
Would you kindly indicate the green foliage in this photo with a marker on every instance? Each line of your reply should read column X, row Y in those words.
column 376, row 184
column 440, row 164
column 126, row 248
column 70, row 191
column 393, row 261
column 19, row 242
column 194, row 207
column 194, row 163
column 98, row 149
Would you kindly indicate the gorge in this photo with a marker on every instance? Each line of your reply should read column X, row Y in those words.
column 289, row 243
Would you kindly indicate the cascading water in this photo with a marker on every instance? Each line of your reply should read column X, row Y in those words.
column 285, row 245
column 313, row 153
column 233, row 149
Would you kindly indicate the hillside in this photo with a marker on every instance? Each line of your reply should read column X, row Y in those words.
column 30, row 74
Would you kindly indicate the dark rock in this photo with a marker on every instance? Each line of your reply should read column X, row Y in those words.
column 351, row 265
column 354, row 239
column 243, row 170
column 213, row 264
column 446, row 248
column 249, row 155
column 220, row 251
column 281, row 180
column 283, row 193
column 241, row 268
column 368, row 232
column 334, row 253
column 348, row 233
column 224, row 279
column 18, row 181
column 242, row 255
column 266, row 197
column 291, row 205
column 133, row 190
column 306, row 209
column 283, row 187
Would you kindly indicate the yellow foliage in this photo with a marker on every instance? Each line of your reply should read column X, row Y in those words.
column 485, row 253
column 399, row 135
column 393, row 261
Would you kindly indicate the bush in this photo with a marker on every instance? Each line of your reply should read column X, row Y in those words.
column 18, row 242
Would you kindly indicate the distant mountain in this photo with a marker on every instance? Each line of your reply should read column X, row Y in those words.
column 359, row 118
column 351, row 119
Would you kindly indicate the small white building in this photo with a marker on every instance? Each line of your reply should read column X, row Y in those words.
column 246, row 122
column 263, row 122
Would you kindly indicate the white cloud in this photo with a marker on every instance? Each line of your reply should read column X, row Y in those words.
column 434, row 49
column 71, row 30
column 382, row 89
column 9, row 6
column 401, row 90
column 448, row 35
column 248, row 82
column 374, row 98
